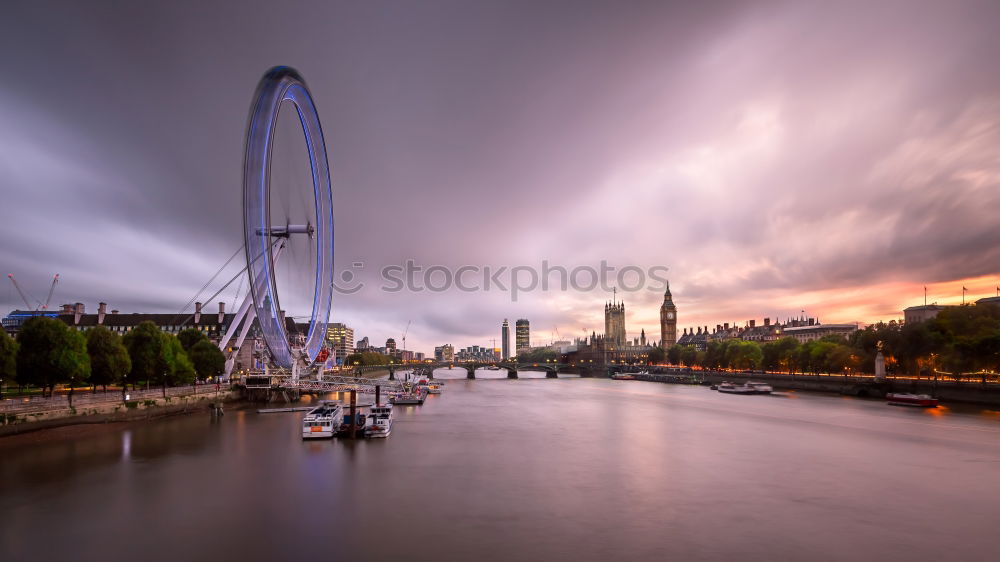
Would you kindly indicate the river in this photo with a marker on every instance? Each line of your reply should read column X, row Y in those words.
column 530, row 469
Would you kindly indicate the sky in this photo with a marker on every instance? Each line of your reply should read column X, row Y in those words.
column 775, row 157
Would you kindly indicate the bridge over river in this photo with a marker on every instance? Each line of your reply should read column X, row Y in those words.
column 427, row 369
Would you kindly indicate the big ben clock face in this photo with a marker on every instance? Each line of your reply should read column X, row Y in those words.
column 670, row 316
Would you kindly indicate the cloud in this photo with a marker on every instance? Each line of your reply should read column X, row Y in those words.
column 775, row 156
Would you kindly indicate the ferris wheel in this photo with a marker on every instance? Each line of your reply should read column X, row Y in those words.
column 267, row 237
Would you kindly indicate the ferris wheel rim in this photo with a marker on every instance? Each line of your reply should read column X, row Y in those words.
column 279, row 85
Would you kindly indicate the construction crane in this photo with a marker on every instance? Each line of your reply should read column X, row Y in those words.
column 52, row 288
column 27, row 299
column 24, row 297
column 405, row 332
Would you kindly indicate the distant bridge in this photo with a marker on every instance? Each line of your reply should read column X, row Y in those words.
column 426, row 369
column 356, row 379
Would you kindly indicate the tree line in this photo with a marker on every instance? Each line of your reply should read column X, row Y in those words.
column 366, row 358
column 958, row 340
column 48, row 353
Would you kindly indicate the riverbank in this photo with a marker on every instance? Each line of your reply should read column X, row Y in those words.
column 114, row 412
column 963, row 393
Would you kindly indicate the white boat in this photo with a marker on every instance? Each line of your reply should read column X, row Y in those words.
column 380, row 421
column 759, row 387
column 435, row 387
column 323, row 421
column 730, row 388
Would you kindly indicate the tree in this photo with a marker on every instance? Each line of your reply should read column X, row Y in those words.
column 840, row 358
column 657, row 355
column 674, row 355
column 49, row 353
column 366, row 358
column 179, row 369
column 145, row 349
column 715, row 353
column 918, row 341
column 190, row 337
column 689, row 356
column 73, row 360
column 8, row 359
column 207, row 358
column 109, row 360
column 779, row 355
column 539, row 355
column 744, row 355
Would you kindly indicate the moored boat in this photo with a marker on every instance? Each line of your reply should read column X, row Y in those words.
column 623, row 377
column 435, row 387
column 415, row 396
column 759, row 387
column 731, row 388
column 380, row 421
column 904, row 399
column 323, row 421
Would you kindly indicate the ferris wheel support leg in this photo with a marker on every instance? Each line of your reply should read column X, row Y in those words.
column 245, row 317
column 237, row 320
column 251, row 316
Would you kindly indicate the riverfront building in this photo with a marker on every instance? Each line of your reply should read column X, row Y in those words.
column 668, row 320
column 802, row 329
column 445, row 352
column 505, row 340
column 614, row 323
column 476, row 353
column 612, row 347
column 340, row 338
column 818, row 331
column 522, row 336
column 212, row 324
column 994, row 301
column 923, row 313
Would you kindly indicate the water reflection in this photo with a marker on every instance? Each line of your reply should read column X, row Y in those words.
column 126, row 444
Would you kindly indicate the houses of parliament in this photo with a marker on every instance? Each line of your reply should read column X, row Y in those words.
column 613, row 346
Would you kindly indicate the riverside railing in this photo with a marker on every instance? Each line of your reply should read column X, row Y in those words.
column 37, row 404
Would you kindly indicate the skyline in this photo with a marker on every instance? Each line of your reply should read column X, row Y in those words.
column 840, row 176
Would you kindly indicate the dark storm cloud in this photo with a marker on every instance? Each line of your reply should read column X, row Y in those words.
column 752, row 148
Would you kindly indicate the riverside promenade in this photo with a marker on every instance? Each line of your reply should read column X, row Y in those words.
column 968, row 389
column 27, row 413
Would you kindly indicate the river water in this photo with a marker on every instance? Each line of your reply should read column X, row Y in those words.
column 567, row 469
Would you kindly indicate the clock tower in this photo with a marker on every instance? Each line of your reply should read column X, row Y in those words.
column 668, row 320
